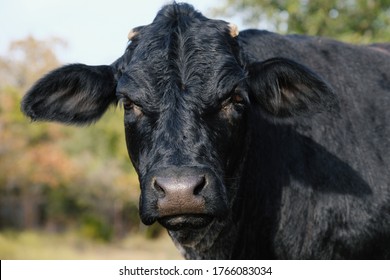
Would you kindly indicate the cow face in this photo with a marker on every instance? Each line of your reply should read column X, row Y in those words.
column 185, row 102
column 187, row 94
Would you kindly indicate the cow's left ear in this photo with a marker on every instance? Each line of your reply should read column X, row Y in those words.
column 73, row 94
column 285, row 88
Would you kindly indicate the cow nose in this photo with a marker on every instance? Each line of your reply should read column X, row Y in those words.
column 186, row 186
column 180, row 195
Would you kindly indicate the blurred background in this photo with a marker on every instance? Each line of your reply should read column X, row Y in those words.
column 71, row 193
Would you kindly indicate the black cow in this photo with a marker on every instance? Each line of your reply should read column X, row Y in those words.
column 249, row 146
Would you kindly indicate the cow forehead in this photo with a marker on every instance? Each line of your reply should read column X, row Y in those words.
column 183, row 44
column 191, row 56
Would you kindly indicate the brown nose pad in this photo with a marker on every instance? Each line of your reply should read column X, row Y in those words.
column 180, row 195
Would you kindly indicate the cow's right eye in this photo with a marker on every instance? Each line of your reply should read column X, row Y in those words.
column 127, row 104
column 130, row 106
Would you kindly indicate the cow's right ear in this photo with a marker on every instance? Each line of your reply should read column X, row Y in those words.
column 74, row 94
column 284, row 88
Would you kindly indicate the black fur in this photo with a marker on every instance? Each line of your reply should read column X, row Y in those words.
column 289, row 133
column 76, row 94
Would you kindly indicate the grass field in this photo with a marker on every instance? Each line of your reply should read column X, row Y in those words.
column 32, row 245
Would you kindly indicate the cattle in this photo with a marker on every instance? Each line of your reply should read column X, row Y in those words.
column 249, row 145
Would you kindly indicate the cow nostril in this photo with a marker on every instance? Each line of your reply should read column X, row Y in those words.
column 160, row 190
column 200, row 185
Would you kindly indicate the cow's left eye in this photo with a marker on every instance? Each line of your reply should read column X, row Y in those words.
column 235, row 102
column 236, row 97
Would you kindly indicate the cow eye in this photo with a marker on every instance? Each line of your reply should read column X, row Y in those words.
column 235, row 101
column 130, row 106
column 127, row 104
column 236, row 97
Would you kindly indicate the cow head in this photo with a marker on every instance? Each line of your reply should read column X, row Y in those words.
column 187, row 93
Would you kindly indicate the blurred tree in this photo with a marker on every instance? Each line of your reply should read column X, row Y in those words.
column 352, row 20
column 56, row 176
column 28, row 59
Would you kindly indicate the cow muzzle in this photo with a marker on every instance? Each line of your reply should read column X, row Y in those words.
column 182, row 197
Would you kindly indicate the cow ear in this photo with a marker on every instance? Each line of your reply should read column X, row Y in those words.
column 285, row 88
column 74, row 94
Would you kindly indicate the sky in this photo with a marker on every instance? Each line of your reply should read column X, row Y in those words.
column 95, row 30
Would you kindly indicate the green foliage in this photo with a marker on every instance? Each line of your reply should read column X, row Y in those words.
column 70, row 245
column 27, row 60
column 95, row 227
column 54, row 176
column 353, row 20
